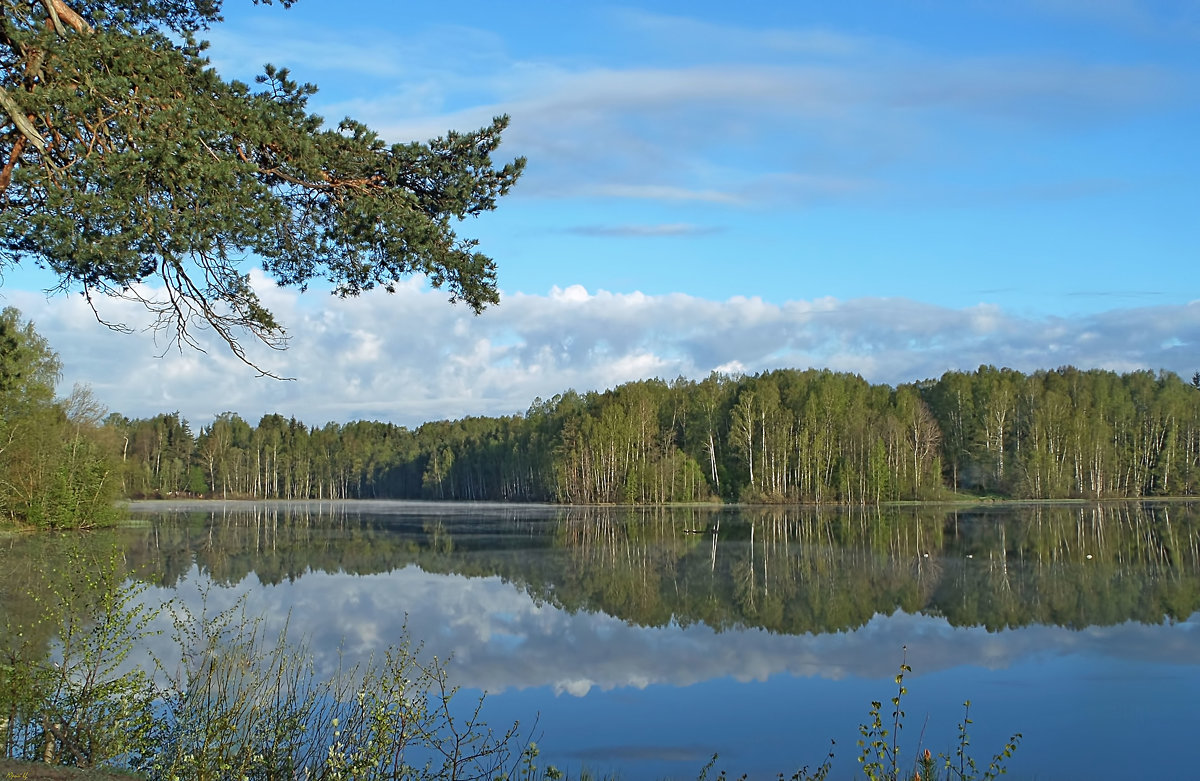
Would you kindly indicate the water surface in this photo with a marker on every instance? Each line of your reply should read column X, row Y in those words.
column 647, row 639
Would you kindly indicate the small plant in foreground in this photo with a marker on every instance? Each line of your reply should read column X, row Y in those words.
column 247, row 706
column 77, row 702
column 880, row 749
column 880, row 746
column 964, row 767
column 237, row 703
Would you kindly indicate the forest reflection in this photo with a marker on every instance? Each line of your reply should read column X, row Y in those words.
column 791, row 570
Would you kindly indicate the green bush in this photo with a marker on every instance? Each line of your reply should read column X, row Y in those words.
column 77, row 703
column 234, row 704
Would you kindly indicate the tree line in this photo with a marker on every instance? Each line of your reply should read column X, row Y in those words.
column 812, row 436
column 781, row 436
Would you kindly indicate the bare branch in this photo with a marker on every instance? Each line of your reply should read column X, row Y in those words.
column 21, row 121
column 7, row 172
column 54, row 20
column 186, row 308
column 60, row 12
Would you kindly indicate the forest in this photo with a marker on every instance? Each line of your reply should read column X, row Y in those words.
column 785, row 436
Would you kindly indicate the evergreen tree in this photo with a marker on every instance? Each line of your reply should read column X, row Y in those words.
column 127, row 159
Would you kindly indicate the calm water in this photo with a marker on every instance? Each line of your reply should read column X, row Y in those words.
column 648, row 639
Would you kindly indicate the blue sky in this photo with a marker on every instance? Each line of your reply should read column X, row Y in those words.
column 1034, row 156
column 890, row 188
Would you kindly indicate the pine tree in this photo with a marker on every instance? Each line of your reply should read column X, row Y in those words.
column 127, row 159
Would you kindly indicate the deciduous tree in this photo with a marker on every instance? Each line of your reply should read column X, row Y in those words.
column 55, row 470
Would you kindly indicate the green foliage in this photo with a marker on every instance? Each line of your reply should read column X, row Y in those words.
column 528, row 770
column 77, row 703
column 781, row 437
column 55, row 470
column 28, row 367
column 962, row 764
column 242, row 705
column 880, row 747
column 129, row 159
column 79, row 491
column 235, row 704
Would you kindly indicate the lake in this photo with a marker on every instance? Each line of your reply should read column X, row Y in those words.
column 643, row 640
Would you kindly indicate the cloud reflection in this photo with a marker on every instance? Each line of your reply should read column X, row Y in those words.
column 499, row 638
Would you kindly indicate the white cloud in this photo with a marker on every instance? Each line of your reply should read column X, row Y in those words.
column 411, row 357
column 716, row 134
column 791, row 118
column 501, row 639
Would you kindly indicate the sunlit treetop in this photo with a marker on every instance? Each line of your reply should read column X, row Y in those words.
column 127, row 159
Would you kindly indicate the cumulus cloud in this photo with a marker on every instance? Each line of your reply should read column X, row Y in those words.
column 411, row 357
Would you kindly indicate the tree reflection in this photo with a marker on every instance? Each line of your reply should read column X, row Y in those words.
column 792, row 570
